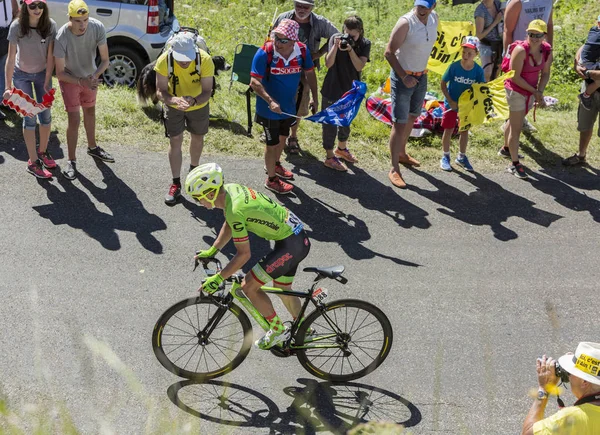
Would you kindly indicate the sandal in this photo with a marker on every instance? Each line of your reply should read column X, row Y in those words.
column 292, row 145
column 574, row 160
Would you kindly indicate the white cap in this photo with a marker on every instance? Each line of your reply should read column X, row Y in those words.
column 183, row 46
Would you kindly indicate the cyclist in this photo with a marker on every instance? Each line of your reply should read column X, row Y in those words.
column 249, row 211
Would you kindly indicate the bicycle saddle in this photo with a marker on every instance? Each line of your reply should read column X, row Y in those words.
column 329, row 272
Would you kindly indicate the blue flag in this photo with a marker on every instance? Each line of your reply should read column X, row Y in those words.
column 344, row 110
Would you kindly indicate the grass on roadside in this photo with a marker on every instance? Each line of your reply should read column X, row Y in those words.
column 224, row 24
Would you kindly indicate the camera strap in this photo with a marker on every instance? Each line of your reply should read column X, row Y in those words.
column 588, row 399
column 583, row 400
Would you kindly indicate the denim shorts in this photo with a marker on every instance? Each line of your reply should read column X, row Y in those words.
column 407, row 101
column 27, row 82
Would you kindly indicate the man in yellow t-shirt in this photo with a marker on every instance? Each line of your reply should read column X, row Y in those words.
column 185, row 96
column 583, row 371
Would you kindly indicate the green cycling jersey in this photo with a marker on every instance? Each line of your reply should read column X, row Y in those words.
column 248, row 210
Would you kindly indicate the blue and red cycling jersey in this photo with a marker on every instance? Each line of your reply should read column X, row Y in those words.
column 282, row 81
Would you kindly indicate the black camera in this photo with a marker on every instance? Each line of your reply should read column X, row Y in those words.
column 561, row 373
column 347, row 40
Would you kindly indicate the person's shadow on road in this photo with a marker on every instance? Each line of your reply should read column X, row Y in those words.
column 75, row 208
column 214, row 220
column 370, row 193
column 490, row 205
column 328, row 224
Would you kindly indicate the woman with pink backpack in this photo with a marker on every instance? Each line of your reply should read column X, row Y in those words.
column 531, row 60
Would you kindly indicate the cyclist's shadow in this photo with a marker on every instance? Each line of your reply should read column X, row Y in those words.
column 316, row 406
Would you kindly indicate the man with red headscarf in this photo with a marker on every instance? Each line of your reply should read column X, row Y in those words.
column 276, row 71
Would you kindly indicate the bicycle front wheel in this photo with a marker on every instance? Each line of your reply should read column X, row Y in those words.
column 200, row 340
column 346, row 341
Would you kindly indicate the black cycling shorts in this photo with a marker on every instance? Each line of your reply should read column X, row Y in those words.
column 275, row 128
column 281, row 264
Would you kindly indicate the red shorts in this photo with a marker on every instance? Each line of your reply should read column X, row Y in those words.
column 449, row 119
column 75, row 96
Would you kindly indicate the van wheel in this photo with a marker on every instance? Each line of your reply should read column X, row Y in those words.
column 125, row 66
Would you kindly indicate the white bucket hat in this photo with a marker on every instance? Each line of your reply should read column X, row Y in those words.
column 585, row 364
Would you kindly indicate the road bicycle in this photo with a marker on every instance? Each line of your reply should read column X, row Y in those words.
column 204, row 337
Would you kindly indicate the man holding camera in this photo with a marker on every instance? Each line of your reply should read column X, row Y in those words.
column 347, row 56
column 583, row 373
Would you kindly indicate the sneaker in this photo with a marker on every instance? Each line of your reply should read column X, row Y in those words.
column 528, row 126
column 283, row 173
column 396, row 179
column 336, row 164
column 70, row 171
column 408, row 160
column 37, row 169
column 47, row 160
column 278, row 186
column 100, row 154
column 518, row 171
column 574, row 160
column 464, row 162
column 272, row 338
column 504, row 152
column 586, row 102
column 345, row 154
column 445, row 162
column 173, row 195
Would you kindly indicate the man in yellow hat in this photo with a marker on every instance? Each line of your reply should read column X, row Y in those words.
column 78, row 77
column 582, row 371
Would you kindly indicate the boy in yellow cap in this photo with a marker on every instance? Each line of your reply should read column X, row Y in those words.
column 78, row 77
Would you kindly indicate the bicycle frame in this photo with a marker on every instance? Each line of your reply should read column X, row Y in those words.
column 236, row 292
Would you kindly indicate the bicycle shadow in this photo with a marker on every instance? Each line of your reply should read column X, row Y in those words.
column 316, row 406
column 489, row 205
column 75, row 208
column 347, row 230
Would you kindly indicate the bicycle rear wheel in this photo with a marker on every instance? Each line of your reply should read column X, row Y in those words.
column 182, row 346
column 348, row 340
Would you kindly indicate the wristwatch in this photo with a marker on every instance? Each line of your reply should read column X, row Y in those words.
column 587, row 74
column 542, row 394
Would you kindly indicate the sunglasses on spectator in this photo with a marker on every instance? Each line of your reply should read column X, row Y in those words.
column 301, row 6
column 536, row 35
column 82, row 11
column 36, row 5
column 282, row 40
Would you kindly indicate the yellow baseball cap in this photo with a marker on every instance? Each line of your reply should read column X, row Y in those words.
column 78, row 8
column 538, row 26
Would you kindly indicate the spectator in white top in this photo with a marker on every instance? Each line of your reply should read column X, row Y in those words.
column 407, row 52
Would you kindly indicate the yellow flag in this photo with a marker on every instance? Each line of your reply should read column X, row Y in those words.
column 483, row 102
column 447, row 47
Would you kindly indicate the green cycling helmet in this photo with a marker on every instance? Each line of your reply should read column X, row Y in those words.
column 204, row 179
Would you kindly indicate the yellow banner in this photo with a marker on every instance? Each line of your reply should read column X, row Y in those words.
column 447, row 46
column 483, row 102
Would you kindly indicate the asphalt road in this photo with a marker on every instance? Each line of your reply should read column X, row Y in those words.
column 479, row 275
